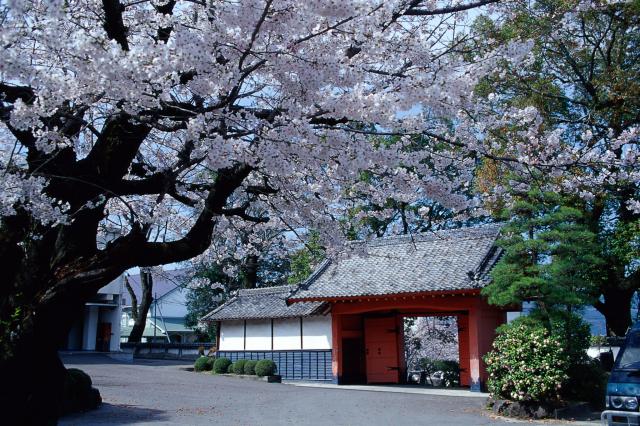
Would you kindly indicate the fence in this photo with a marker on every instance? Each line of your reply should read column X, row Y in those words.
column 165, row 350
column 292, row 365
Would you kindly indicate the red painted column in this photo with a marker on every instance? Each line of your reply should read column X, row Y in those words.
column 474, row 349
column 483, row 321
column 463, row 349
column 336, row 347
column 402, row 363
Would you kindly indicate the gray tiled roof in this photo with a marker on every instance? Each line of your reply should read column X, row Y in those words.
column 164, row 282
column 445, row 260
column 267, row 302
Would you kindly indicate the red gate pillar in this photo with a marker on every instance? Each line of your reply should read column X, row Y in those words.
column 402, row 362
column 483, row 321
column 463, row 349
column 336, row 347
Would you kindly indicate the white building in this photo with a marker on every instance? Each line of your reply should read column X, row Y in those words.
column 166, row 316
column 258, row 323
column 97, row 327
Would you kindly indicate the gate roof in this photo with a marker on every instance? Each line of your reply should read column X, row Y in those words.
column 439, row 261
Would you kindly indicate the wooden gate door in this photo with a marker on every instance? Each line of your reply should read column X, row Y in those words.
column 103, row 337
column 381, row 350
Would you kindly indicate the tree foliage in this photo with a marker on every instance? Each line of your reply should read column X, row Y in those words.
column 580, row 93
column 304, row 261
column 550, row 256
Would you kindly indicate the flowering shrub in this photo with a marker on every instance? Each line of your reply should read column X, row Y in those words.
column 527, row 363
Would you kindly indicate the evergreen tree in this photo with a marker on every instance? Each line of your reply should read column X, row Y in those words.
column 550, row 257
column 304, row 261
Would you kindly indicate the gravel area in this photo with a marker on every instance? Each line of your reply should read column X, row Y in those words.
column 155, row 392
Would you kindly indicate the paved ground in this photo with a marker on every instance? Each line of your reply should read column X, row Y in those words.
column 161, row 393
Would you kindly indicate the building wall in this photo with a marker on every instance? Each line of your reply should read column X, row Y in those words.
column 276, row 334
column 286, row 334
column 316, row 332
column 90, row 328
column 173, row 304
column 258, row 335
column 232, row 335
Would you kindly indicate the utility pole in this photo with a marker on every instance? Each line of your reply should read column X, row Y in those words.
column 155, row 306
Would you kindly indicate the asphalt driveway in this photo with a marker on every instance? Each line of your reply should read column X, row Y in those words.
column 157, row 392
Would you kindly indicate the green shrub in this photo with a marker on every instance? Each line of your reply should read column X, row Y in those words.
column 204, row 363
column 78, row 395
column 450, row 370
column 265, row 367
column 238, row 366
column 598, row 341
column 79, row 377
column 574, row 334
column 221, row 365
column 230, row 369
column 587, row 383
column 250, row 367
column 527, row 364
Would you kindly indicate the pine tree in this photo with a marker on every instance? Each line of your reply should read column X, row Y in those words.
column 550, row 257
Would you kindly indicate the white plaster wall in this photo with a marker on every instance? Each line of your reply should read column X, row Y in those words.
column 231, row 336
column 316, row 332
column 259, row 335
column 286, row 334
column 90, row 328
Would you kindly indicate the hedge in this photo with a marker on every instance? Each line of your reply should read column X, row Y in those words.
column 238, row 366
column 204, row 363
column 250, row 367
column 78, row 394
column 221, row 365
column 265, row 367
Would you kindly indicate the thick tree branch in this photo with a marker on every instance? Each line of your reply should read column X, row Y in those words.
column 113, row 23
column 417, row 11
column 116, row 147
column 135, row 250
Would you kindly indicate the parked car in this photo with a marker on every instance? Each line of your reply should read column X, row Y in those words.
column 623, row 389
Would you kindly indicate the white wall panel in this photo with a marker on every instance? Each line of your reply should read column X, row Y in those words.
column 231, row 336
column 286, row 334
column 258, row 335
column 316, row 332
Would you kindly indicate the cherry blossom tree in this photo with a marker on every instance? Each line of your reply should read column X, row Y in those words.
column 190, row 118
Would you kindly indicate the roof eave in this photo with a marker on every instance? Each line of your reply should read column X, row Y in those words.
column 442, row 293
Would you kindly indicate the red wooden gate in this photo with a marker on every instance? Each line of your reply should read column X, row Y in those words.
column 381, row 350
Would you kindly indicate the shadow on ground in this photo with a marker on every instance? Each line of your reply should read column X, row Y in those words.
column 102, row 359
column 110, row 414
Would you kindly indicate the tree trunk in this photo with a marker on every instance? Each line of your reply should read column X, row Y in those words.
column 250, row 271
column 32, row 373
column 134, row 298
column 146, row 285
column 47, row 280
column 616, row 309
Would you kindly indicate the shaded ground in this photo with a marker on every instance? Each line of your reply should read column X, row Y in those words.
column 153, row 392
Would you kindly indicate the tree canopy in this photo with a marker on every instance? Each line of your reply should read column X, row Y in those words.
column 164, row 123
